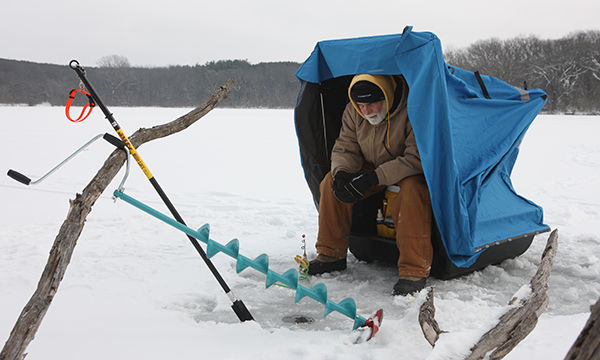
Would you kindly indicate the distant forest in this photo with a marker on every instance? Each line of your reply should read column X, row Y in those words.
column 268, row 85
column 568, row 69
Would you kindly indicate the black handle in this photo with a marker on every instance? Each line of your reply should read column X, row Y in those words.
column 241, row 311
column 19, row 177
column 114, row 141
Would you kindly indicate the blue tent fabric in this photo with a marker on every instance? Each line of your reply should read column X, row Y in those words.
column 467, row 142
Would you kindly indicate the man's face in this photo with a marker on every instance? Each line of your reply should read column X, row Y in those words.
column 374, row 112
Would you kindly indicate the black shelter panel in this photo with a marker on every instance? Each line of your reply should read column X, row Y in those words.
column 309, row 129
column 318, row 117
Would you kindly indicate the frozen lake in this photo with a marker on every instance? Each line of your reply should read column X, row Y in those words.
column 135, row 288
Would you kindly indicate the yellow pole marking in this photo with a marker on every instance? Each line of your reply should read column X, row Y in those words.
column 135, row 154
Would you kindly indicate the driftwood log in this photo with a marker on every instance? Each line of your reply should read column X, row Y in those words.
column 60, row 255
column 430, row 327
column 519, row 321
column 587, row 345
column 515, row 324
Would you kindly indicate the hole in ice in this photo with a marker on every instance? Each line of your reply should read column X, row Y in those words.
column 298, row 319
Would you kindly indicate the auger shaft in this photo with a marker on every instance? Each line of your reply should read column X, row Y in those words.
column 318, row 292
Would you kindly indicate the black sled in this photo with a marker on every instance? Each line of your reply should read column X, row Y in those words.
column 367, row 246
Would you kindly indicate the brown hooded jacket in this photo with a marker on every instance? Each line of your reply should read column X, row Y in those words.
column 361, row 145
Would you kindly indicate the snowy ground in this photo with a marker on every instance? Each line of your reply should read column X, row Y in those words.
column 136, row 289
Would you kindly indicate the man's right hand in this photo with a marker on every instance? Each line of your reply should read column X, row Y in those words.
column 340, row 190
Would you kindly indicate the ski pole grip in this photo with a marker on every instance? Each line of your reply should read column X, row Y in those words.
column 19, row 177
column 241, row 311
column 114, row 141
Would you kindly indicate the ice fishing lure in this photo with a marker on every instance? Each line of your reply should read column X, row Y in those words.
column 289, row 278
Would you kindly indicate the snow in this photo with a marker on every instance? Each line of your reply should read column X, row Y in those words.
column 136, row 289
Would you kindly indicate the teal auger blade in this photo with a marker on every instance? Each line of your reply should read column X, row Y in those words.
column 289, row 278
column 346, row 307
column 261, row 263
column 232, row 248
column 359, row 321
column 204, row 231
column 318, row 292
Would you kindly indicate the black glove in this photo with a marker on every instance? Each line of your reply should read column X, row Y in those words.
column 340, row 181
column 360, row 184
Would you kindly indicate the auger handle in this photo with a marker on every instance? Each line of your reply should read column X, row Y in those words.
column 19, row 177
column 241, row 311
column 114, row 141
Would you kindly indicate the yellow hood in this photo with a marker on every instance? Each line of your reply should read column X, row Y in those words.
column 385, row 82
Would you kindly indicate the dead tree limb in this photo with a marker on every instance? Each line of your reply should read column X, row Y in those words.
column 64, row 244
column 587, row 345
column 429, row 326
column 520, row 320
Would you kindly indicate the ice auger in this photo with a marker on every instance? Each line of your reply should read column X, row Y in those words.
column 237, row 305
column 261, row 263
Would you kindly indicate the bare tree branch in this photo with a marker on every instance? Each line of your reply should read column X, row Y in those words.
column 515, row 324
column 587, row 345
column 64, row 244
column 429, row 326
column 519, row 321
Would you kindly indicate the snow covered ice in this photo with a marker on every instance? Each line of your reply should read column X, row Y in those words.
column 136, row 289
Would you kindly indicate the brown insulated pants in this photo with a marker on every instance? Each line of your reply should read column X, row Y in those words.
column 411, row 212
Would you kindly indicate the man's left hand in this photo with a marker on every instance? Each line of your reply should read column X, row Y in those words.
column 359, row 185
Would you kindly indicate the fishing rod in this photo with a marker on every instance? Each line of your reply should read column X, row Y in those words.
column 238, row 306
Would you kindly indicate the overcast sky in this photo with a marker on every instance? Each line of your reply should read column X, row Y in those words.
column 182, row 32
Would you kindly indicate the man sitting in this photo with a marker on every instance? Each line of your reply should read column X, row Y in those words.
column 376, row 147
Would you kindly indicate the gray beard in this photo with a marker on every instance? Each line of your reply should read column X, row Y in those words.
column 376, row 120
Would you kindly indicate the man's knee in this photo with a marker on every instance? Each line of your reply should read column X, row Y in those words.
column 411, row 209
column 414, row 187
column 415, row 182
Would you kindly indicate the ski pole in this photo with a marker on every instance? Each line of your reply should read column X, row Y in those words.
column 237, row 305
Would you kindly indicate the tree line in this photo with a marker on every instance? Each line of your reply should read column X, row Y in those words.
column 268, row 85
column 568, row 69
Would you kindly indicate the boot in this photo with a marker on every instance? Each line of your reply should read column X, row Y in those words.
column 324, row 264
column 406, row 286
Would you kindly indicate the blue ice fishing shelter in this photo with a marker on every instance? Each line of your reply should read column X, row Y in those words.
column 468, row 128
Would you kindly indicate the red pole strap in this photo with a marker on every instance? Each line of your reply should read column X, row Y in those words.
column 89, row 106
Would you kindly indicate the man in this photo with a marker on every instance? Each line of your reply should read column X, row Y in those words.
column 376, row 147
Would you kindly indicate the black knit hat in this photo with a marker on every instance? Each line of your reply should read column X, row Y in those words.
column 366, row 92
